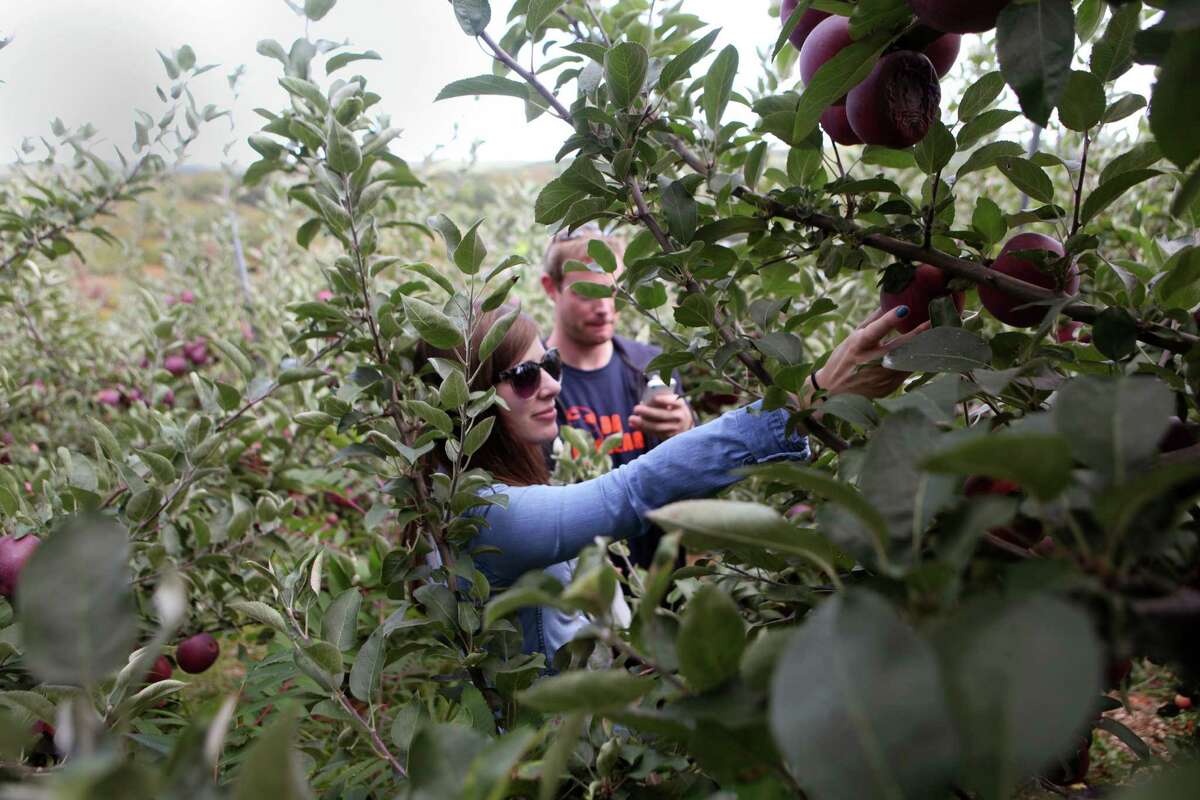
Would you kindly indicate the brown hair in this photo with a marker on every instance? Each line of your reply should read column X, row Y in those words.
column 509, row 459
column 574, row 246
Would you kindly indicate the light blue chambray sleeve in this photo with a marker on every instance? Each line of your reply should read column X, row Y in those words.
column 544, row 525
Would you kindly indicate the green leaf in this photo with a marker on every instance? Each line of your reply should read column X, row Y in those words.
column 934, row 152
column 1028, row 177
column 160, row 467
column 941, row 349
column 599, row 251
column 856, row 686
column 683, row 215
column 341, row 150
column 834, row 79
column 984, row 124
column 789, row 25
column 539, row 12
column 1180, row 274
column 1023, row 674
column 272, row 767
column 592, row 290
column 342, row 59
column 432, row 324
column 554, row 200
column 980, row 95
column 471, row 251
column 1174, row 112
column 439, row 603
column 587, row 690
column 235, row 356
column 718, row 86
column 989, row 220
column 1083, row 102
column 1034, row 44
column 739, row 524
column 625, row 69
column 473, row 15
column 339, row 621
column 75, row 605
column 454, row 391
column 1189, row 190
column 478, row 436
column 298, row 375
column 1112, row 55
column 711, row 639
column 1106, row 193
column 1114, row 333
column 680, row 65
column 143, row 505
column 554, row 765
column 1039, row 462
column 260, row 612
column 495, row 334
column 1124, row 422
column 316, row 9
column 434, row 416
column 483, row 85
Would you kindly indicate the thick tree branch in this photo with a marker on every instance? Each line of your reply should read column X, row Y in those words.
column 1150, row 333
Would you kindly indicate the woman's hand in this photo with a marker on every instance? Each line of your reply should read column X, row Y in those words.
column 853, row 366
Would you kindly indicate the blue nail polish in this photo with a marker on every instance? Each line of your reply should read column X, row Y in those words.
column 902, row 312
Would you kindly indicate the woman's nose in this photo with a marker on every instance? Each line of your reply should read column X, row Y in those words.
column 549, row 387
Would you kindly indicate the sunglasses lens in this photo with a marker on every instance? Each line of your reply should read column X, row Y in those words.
column 527, row 379
column 552, row 363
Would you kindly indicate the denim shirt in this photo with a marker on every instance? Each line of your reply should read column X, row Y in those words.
column 545, row 527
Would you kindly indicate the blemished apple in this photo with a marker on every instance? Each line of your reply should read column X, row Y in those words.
column 14, row 553
column 959, row 16
column 808, row 20
column 1005, row 307
column 197, row 653
column 916, row 288
column 897, row 103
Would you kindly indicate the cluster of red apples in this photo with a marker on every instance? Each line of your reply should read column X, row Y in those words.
column 898, row 102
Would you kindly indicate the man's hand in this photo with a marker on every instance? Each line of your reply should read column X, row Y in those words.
column 664, row 416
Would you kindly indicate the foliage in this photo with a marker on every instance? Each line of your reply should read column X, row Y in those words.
column 305, row 493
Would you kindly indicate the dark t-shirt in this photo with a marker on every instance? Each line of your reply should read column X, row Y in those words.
column 597, row 402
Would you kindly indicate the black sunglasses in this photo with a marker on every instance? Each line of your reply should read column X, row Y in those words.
column 526, row 377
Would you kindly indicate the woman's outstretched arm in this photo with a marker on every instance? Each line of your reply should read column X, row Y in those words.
column 544, row 525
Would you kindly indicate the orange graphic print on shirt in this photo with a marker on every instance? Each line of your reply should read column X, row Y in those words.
column 601, row 426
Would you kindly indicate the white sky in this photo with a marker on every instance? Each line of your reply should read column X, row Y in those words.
column 95, row 61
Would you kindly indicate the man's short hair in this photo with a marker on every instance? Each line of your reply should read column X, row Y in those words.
column 573, row 246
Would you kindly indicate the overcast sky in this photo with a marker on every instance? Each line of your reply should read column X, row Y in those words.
column 95, row 61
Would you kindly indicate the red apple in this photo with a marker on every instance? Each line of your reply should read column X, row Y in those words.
column 324, row 296
column 1066, row 332
column 808, row 20
column 186, row 296
column 197, row 653
column 835, row 123
column 916, row 288
column 959, row 16
column 1178, row 436
column 943, row 52
column 175, row 364
column 108, row 397
column 197, row 351
column 1007, row 308
column 1182, row 701
column 897, row 103
column 161, row 670
column 826, row 41
column 14, row 553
